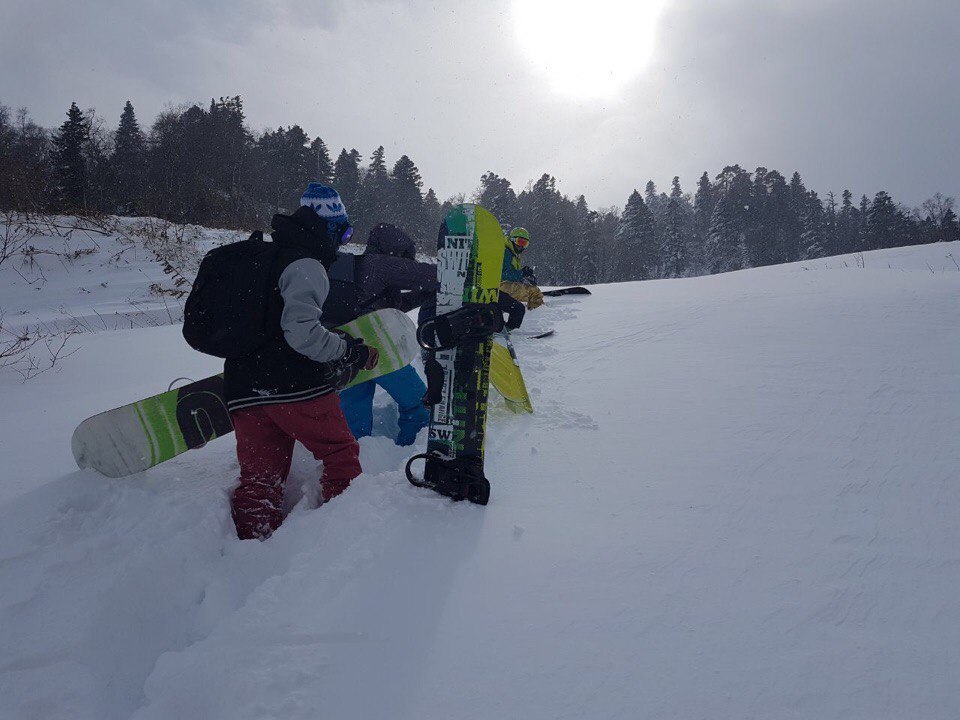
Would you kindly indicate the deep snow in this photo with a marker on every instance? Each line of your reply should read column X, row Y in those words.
column 738, row 498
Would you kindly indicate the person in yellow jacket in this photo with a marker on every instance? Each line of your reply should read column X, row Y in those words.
column 517, row 280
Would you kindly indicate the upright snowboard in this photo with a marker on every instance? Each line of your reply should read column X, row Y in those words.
column 469, row 263
column 138, row 436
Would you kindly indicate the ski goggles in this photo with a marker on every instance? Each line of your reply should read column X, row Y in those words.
column 347, row 235
column 521, row 242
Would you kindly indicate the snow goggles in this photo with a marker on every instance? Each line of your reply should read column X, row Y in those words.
column 521, row 242
column 347, row 234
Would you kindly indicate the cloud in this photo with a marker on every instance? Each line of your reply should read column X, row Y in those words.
column 856, row 94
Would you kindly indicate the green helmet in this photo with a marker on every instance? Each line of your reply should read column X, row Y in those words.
column 520, row 237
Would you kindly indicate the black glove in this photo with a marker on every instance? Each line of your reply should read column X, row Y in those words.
column 357, row 353
column 528, row 275
column 343, row 370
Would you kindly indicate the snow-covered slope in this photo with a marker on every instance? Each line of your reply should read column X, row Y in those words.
column 738, row 498
column 96, row 275
column 107, row 274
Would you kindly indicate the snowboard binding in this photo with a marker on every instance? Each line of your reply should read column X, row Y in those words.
column 460, row 479
column 472, row 322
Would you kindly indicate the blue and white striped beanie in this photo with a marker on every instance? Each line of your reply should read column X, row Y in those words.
column 326, row 202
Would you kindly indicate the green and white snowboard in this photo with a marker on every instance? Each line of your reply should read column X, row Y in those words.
column 132, row 438
column 469, row 264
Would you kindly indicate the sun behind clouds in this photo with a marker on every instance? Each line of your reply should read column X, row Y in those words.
column 587, row 49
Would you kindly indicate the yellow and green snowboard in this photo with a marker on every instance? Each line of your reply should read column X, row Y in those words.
column 459, row 338
column 132, row 438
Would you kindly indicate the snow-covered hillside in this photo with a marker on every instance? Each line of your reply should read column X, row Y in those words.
column 102, row 274
column 738, row 498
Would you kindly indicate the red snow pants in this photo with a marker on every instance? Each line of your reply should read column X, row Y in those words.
column 265, row 438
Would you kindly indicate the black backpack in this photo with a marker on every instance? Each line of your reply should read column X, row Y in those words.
column 342, row 304
column 227, row 311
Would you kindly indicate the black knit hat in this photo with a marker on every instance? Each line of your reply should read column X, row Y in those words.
column 387, row 239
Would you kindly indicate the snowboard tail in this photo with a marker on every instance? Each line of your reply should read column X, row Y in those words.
column 506, row 377
column 578, row 290
column 140, row 435
column 460, row 479
column 533, row 335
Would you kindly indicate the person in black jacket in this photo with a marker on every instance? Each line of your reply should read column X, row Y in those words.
column 286, row 390
column 388, row 275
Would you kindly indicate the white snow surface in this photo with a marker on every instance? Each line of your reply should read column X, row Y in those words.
column 92, row 276
column 738, row 498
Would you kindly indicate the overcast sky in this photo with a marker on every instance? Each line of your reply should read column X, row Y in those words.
column 852, row 93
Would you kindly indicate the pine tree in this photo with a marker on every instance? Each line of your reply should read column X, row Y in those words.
column 300, row 159
column 607, row 252
column 551, row 219
column 406, row 201
column 70, row 161
column 378, row 165
column 949, row 227
column 374, row 194
column 162, row 168
column 498, row 197
column 26, row 173
column 432, row 214
column 772, row 222
column 814, row 228
column 346, row 180
column 586, row 243
column 831, row 226
column 543, row 217
column 346, row 176
column 8, row 200
column 638, row 256
column 863, row 241
column 655, row 202
column 761, row 226
column 883, row 222
column 792, row 248
column 225, row 147
column 285, row 163
column 847, row 225
column 431, row 206
column 676, row 234
column 127, row 162
column 725, row 248
column 323, row 168
column 268, row 161
column 703, row 204
column 98, row 150
column 200, row 166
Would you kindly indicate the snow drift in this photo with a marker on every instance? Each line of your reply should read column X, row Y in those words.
column 737, row 498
